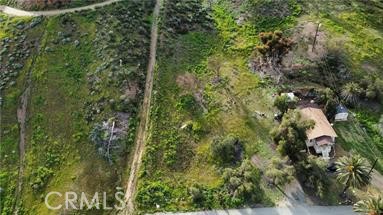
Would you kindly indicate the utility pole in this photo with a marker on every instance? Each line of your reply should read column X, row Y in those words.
column 316, row 35
column 373, row 166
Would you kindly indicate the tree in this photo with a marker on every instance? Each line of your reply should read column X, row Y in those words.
column 351, row 93
column 353, row 171
column 328, row 99
column 312, row 172
column 290, row 135
column 283, row 103
column 279, row 172
column 228, row 150
column 371, row 206
column 373, row 87
column 242, row 183
column 274, row 46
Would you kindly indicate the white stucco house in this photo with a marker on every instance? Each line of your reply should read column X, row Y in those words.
column 341, row 113
column 322, row 137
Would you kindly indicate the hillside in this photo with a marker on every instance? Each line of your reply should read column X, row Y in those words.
column 219, row 126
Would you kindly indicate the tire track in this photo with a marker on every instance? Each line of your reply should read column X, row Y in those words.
column 144, row 116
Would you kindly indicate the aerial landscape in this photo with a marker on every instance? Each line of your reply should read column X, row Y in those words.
column 191, row 106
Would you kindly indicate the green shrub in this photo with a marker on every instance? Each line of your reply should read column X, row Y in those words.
column 40, row 178
column 227, row 150
column 187, row 103
column 152, row 194
column 312, row 172
column 283, row 103
column 242, row 184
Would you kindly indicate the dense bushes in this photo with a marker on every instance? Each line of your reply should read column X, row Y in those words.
column 267, row 15
column 227, row 150
column 279, row 172
column 312, row 172
column 152, row 194
column 283, row 103
column 242, row 184
column 187, row 103
column 40, row 178
column 182, row 16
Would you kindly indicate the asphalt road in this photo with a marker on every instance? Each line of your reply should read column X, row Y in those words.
column 298, row 210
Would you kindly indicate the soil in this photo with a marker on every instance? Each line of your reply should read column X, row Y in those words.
column 144, row 118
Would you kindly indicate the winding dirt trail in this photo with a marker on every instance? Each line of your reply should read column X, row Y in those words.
column 144, row 117
column 18, row 12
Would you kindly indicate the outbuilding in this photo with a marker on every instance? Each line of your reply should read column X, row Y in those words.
column 341, row 113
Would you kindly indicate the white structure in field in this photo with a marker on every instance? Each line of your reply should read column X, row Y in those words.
column 322, row 136
column 290, row 96
column 341, row 113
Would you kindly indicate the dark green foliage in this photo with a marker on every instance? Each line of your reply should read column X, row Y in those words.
column 203, row 197
column 187, row 103
column 373, row 88
column 274, row 46
column 328, row 99
column 242, row 184
column 182, row 16
column 283, row 103
column 153, row 193
column 312, row 173
column 267, row 15
column 351, row 93
column 353, row 171
column 40, row 178
column 172, row 144
column 290, row 135
column 227, row 150
column 279, row 172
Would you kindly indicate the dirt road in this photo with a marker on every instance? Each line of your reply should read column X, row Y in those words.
column 18, row 12
column 144, row 117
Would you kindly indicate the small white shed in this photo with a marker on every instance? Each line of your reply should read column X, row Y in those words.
column 341, row 113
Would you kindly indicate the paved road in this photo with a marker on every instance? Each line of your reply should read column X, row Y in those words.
column 17, row 12
column 309, row 210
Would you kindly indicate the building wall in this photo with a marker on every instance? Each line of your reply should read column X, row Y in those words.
column 341, row 116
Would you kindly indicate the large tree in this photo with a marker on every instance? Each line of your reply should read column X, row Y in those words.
column 242, row 183
column 227, row 150
column 290, row 135
column 279, row 171
column 371, row 206
column 353, row 171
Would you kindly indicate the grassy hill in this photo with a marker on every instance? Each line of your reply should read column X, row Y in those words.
column 82, row 70
column 71, row 87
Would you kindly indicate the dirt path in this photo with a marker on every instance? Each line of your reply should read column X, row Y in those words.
column 17, row 12
column 144, row 116
column 21, row 118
